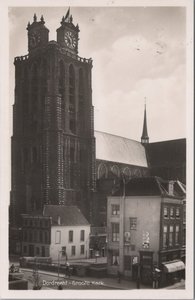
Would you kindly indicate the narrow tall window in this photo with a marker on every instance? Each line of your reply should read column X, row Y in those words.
column 177, row 213
column 30, row 236
column 171, row 212
column 72, row 108
column 82, row 233
column 58, row 237
column 102, row 171
column 25, row 237
column 81, row 101
column 46, row 237
column 63, row 251
column 171, row 235
column 40, row 236
column 115, row 170
column 165, row 212
column 165, row 236
column 82, row 249
column 73, row 250
column 61, row 83
column 133, row 223
column 43, row 80
column 70, row 236
column 177, row 234
column 115, row 209
column 115, row 232
column 72, row 154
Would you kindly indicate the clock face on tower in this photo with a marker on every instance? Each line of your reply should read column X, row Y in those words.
column 70, row 39
column 34, row 39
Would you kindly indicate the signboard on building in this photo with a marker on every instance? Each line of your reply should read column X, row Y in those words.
column 145, row 240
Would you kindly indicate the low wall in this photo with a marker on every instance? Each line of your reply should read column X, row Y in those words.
column 18, row 284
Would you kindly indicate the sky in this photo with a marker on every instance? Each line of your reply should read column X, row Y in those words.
column 138, row 53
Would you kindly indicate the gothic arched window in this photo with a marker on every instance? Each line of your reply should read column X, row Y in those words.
column 61, row 82
column 26, row 91
column 115, row 170
column 137, row 173
column 44, row 71
column 127, row 172
column 72, row 106
column 81, row 100
column 71, row 88
column 34, row 87
column 81, row 84
column 102, row 171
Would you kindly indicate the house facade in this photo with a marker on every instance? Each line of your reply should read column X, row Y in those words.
column 145, row 225
column 62, row 234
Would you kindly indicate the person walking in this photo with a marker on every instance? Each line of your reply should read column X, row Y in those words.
column 67, row 270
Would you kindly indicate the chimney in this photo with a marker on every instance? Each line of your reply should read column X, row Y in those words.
column 59, row 220
column 171, row 188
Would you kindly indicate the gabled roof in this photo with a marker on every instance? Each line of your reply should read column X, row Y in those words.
column 115, row 148
column 69, row 215
column 151, row 186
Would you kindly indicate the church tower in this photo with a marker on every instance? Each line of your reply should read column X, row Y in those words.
column 145, row 137
column 53, row 144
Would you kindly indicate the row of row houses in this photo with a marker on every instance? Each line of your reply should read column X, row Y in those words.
column 145, row 228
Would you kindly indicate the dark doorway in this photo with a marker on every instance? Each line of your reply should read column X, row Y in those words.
column 43, row 251
column 31, row 250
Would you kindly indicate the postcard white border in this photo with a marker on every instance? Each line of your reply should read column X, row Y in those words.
column 5, row 165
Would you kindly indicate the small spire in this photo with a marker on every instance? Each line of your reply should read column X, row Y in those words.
column 71, row 19
column 145, row 137
column 35, row 18
column 42, row 20
column 63, row 20
column 67, row 14
column 28, row 25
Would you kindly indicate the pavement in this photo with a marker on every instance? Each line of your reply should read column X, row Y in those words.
column 95, row 283
column 85, row 282
column 92, row 282
column 178, row 285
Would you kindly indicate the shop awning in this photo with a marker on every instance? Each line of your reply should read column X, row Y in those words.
column 174, row 266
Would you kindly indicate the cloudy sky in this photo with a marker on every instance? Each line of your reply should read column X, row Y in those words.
column 137, row 52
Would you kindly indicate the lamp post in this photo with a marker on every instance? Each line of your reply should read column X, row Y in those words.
column 63, row 253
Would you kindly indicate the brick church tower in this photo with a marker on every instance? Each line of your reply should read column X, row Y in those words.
column 53, row 144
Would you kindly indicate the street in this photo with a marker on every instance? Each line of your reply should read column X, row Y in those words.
column 50, row 281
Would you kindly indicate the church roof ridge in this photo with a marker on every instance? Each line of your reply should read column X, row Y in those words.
column 116, row 135
column 119, row 149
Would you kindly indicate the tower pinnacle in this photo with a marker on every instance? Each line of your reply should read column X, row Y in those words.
column 145, row 137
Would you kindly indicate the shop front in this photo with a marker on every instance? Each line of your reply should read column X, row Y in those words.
column 172, row 271
column 172, row 266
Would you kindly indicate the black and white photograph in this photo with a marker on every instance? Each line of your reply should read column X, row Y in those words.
column 97, row 158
